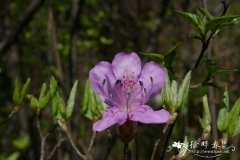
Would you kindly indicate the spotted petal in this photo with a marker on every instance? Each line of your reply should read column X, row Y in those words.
column 102, row 79
column 146, row 114
column 110, row 117
column 153, row 77
column 128, row 65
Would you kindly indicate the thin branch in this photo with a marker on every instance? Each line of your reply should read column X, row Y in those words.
column 53, row 44
column 126, row 152
column 62, row 123
column 167, row 132
column 55, row 148
column 91, row 143
column 75, row 26
column 136, row 147
column 43, row 139
column 14, row 111
column 22, row 23
column 74, row 146
column 155, row 149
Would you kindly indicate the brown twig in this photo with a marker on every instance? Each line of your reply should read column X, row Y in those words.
column 126, row 152
column 53, row 43
column 75, row 26
column 91, row 143
column 43, row 139
column 63, row 125
column 136, row 147
column 155, row 149
column 14, row 111
column 31, row 10
column 55, row 148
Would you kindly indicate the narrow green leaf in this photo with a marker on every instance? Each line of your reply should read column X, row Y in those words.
column 33, row 101
column 174, row 95
column 154, row 56
column 205, row 13
column 24, row 90
column 43, row 91
column 211, row 66
column 45, row 100
column 166, row 100
column 21, row 143
column 71, row 101
column 234, row 116
column 58, row 106
column 206, row 120
column 217, row 22
column 237, row 130
column 169, row 58
column 14, row 156
column 16, row 91
column 183, row 90
column 225, row 100
column 194, row 19
column 223, row 120
column 93, row 106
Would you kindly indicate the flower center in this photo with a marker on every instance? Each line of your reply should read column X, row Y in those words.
column 128, row 84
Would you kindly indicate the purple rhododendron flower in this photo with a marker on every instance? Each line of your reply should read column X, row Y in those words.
column 125, row 86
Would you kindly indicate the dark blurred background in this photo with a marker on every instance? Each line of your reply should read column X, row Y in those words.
column 41, row 38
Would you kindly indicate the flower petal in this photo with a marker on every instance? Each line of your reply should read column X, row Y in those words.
column 128, row 65
column 102, row 79
column 110, row 117
column 146, row 114
column 153, row 77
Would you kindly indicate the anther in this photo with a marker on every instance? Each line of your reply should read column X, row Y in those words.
column 118, row 81
column 151, row 79
column 103, row 82
column 145, row 90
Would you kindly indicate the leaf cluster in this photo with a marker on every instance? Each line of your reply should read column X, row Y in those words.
column 173, row 97
column 228, row 120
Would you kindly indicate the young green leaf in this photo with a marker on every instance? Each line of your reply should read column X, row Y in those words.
column 165, row 95
column 24, row 90
column 168, row 59
column 194, row 19
column 237, row 130
column 21, row 143
column 93, row 107
column 154, row 56
column 16, row 91
column 71, row 101
column 206, row 120
column 183, row 90
column 174, row 95
column 205, row 13
column 13, row 156
column 58, row 109
column 33, row 101
column 43, row 91
column 234, row 116
column 223, row 120
column 225, row 100
column 45, row 100
column 217, row 22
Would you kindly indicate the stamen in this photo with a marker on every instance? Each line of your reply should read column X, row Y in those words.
column 103, row 82
column 119, row 81
column 151, row 79
column 145, row 90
